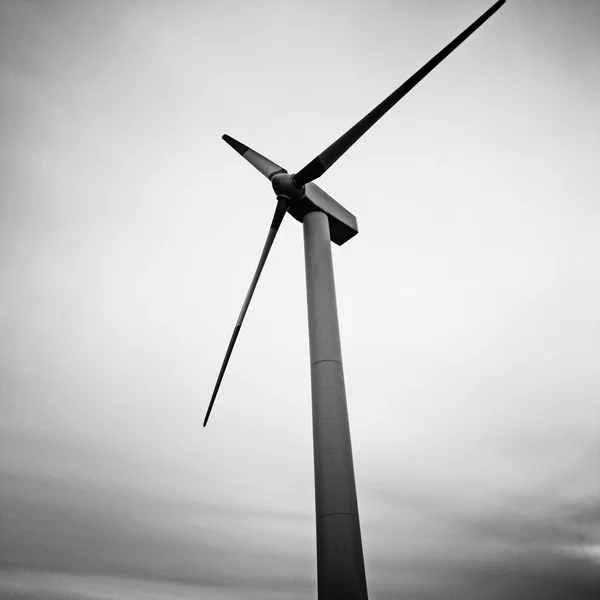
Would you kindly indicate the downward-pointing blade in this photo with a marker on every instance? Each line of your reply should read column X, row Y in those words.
column 267, row 167
column 280, row 211
column 321, row 163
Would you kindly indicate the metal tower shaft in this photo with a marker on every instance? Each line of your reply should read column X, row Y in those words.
column 340, row 562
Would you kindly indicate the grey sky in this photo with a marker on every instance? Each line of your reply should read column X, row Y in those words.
column 468, row 303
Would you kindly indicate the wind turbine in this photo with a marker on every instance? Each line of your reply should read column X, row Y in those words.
column 340, row 562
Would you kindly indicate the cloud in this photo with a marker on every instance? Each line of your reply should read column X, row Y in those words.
column 79, row 537
column 78, row 526
column 431, row 546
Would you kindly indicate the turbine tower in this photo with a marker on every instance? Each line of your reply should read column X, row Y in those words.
column 340, row 563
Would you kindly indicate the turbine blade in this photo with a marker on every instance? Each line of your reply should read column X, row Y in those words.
column 280, row 211
column 267, row 167
column 321, row 163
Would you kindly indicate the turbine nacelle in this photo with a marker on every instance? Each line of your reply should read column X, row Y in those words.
column 342, row 223
column 309, row 198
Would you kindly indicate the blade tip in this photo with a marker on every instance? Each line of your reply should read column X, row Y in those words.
column 237, row 146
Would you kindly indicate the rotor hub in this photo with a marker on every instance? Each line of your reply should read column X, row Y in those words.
column 284, row 187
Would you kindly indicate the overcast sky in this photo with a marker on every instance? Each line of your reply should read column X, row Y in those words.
column 469, row 301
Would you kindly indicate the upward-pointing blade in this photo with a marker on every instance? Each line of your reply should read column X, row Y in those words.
column 280, row 211
column 321, row 163
column 267, row 167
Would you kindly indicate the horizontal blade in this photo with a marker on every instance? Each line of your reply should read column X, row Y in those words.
column 280, row 211
column 267, row 167
column 321, row 163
